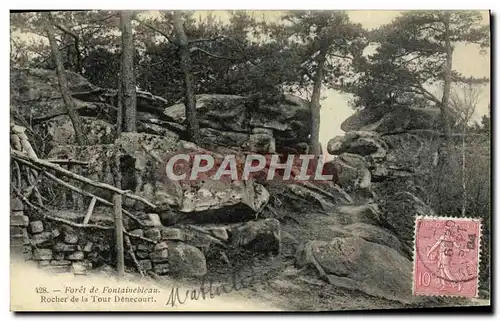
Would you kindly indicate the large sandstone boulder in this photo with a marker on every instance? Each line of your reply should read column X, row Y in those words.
column 376, row 234
column 222, row 112
column 357, row 264
column 260, row 236
column 352, row 171
column 241, row 114
column 388, row 156
column 232, row 121
column 358, row 142
column 393, row 119
column 143, row 167
column 186, row 260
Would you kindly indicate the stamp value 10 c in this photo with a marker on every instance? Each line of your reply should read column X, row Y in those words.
column 446, row 261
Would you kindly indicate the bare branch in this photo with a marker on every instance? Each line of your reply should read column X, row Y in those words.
column 43, row 163
column 156, row 30
column 206, row 39
column 76, row 189
column 193, row 49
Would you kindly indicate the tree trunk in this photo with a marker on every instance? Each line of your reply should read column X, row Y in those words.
column 119, row 248
column 464, row 178
column 447, row 80
column 316, row 106
column 76, row 64
column 119, row 106
column 80, row 137
column 127, row 75
column 193, row 127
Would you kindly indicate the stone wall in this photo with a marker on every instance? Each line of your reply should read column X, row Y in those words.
column 180, row 250
column 55, row 247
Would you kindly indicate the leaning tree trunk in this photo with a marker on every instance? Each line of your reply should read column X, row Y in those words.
column 316, row 106
column 77, row 62
column 193, row 127
column 80, row 137
column 129, row 99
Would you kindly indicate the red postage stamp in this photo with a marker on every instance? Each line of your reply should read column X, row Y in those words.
column 446, row 259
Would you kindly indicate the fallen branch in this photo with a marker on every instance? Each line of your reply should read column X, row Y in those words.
column 102, row 200
column 132, row 255
column 139, row 237
column 68, row 162
column 58, row 219
column 78, row 190
column 62, row 220
column 25, row 200
column 44, row 163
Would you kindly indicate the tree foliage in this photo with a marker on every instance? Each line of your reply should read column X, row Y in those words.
column 409, row 63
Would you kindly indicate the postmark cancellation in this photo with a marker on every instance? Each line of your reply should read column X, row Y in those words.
column 446, row 256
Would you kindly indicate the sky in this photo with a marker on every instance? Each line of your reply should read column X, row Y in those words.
column 335, row 105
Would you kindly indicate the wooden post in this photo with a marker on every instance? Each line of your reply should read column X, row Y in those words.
column 120, row 259
column 89, row 211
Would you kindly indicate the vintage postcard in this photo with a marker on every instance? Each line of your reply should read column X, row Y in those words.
column 249, row 160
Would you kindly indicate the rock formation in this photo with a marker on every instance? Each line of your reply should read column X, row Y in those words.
column 369, row 246
column 226, row 121
column 357, row 234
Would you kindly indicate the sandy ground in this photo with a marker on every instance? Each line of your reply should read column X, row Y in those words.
column 263, row 283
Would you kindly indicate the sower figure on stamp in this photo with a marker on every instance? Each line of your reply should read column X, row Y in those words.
column 445, row 245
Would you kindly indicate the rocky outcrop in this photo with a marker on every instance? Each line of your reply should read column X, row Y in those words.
column 394, row 119
column 185, row 259
column 236, row 122
column 396, row 159
column 368, row 245
column 388, row 156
